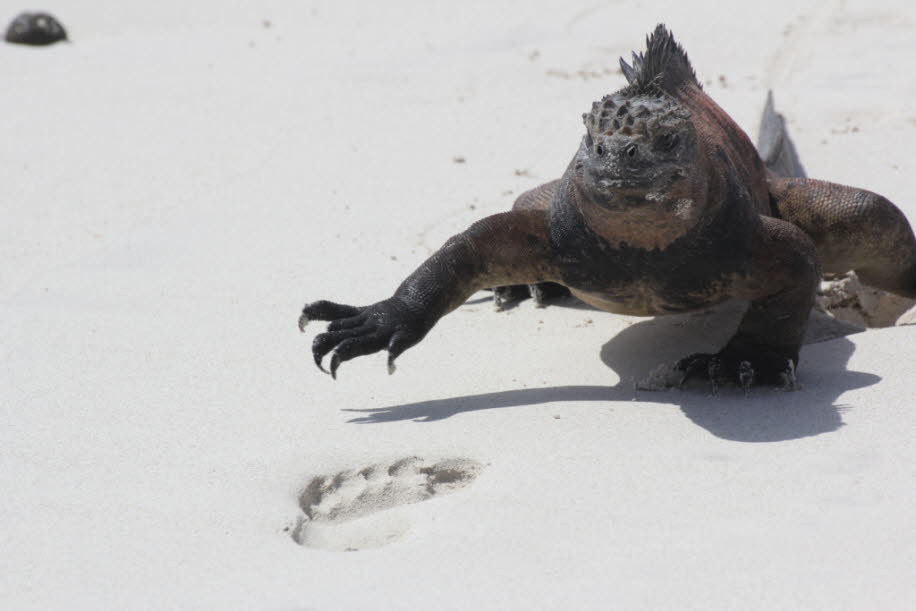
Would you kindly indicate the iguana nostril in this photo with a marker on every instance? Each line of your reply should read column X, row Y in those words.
column 630, row 151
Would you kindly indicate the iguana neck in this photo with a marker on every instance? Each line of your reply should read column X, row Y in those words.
column 652, row 221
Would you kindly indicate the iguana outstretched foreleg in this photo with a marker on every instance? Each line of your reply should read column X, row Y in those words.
column 853, row 229
column 508, row 248
column 780, row 283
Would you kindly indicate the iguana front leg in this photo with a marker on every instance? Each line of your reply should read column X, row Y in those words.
column 780, row 283
column 538, row 198
column 508, row 248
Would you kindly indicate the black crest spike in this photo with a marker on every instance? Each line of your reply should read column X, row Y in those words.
column 664, row 65
column 628, row 72
column 637, row 61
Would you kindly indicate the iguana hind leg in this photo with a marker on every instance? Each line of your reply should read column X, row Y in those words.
column 852, row 229
column 538, row 198
column 780, row 283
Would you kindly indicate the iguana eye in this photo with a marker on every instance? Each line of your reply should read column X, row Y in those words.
column 666, row 142
column 599, row 150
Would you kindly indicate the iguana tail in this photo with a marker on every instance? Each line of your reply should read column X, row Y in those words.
column 775, row 146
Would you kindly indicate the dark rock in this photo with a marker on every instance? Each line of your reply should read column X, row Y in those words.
column 35, row 29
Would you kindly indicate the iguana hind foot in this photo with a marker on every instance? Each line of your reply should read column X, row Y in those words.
column 743, row 369
column 506, row 297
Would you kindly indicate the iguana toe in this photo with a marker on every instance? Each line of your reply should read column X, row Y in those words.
column 545, row 292
column 745, row 376
column 742, row 370
column 505, row 297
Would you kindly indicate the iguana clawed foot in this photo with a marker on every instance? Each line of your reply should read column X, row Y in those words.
column 505, row 297
column 744, row 370
column 356, row 331
column 545, row 292
column 542, row 293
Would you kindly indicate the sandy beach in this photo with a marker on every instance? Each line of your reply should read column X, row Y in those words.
column 180, row 180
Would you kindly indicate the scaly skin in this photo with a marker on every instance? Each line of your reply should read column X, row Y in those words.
column 666, row 207
column 853, row 229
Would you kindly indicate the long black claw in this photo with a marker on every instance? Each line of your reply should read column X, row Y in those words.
column 335, row 340
column 335, row 363
column 303, row 321
column 745, row 376
column 714, row 370
column 321, row 345
column 391, row 366
column 788, row 376
column 318, row 358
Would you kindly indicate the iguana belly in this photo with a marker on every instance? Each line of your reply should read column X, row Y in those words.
column 643, row 300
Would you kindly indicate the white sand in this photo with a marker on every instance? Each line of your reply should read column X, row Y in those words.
column 179, row 181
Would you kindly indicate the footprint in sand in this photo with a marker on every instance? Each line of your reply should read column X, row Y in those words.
column 353, row 510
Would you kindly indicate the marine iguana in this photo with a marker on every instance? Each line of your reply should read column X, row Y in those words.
column 666, row 207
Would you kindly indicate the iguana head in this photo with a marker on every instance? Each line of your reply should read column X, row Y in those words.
column 643, row 167
column 637, row 150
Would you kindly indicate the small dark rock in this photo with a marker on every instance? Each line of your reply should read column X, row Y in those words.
column 35, row 29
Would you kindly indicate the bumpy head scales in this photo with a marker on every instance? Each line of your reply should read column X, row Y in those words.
column 632, row 115
column 650, row 100
column 664, row 66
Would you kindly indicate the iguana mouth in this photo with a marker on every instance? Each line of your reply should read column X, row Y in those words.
column 608, row 184
column 628, row 192
column 635, row 188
